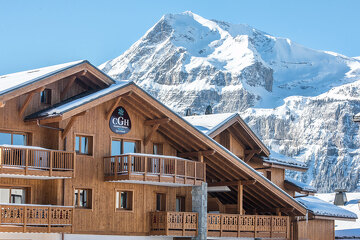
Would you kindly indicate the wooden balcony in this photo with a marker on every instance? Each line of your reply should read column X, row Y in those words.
column 248, row 226
column 174, row 224
column 35, row 162
column 154, row 169
column 35, row 218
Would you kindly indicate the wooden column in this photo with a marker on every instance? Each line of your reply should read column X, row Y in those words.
column 240, row 198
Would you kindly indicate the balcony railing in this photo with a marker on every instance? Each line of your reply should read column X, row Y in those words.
column 35, row 218
column 174, row 223
column 23, row 160
column 154, row 168
column 251, row 226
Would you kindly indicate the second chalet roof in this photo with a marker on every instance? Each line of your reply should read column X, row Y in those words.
column 300, row 185
column 76, row 101
column 279, row 159
column 321, row 208
column 357, row 117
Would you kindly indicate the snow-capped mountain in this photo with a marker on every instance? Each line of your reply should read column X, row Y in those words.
column 298, row 100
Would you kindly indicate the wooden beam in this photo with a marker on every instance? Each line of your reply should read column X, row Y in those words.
column 153, row 130
column 67, row 87
column 28, row 99
column 110, row 111
column 249, row 157
column 232, row 183
column 70, row 124
column 156, row 121
column 195, row 154
column 250, row 151
column 240, row 199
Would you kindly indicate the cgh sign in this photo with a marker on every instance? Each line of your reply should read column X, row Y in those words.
column 120, row 121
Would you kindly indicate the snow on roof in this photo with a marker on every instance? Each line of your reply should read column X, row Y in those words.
column 321, row 208
column 346, row 229
column 357, row 117
column 14, row 81
column 208, row 123
column 301, row 185
column 277, row 158
column 72, row 103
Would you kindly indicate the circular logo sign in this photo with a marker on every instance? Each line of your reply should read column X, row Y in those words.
column 120, row 121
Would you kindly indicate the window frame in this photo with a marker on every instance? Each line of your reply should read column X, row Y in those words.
column 159, row 146
column 122, row 140
column 163, row 202
column 27, row 190
column 132, row 202
column 27, row 136
column 90, row 198
column 47, row 96
column 90, row 144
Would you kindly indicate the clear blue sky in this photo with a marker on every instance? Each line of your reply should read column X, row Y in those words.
column 38, row 33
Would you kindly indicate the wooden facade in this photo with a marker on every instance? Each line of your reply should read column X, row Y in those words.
column 82, row 190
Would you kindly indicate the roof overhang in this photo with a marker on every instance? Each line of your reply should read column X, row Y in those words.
column 284, row 166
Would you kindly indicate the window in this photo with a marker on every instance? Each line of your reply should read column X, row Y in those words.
column 12, row 195
column 13, row 138
column 84, row 145
column 121, row 146
column 160, row 202
column 158, row 149
column 180, row 204
column 268, row 175
column 45, row 96
column 124, row 200
column 83, row 198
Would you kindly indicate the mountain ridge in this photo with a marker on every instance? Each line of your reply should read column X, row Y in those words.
column 283, row 89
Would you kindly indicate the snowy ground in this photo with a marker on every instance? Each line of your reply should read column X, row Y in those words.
column 346, row 229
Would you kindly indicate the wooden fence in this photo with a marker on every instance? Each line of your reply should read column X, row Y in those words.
column 174, row 223
column 35, row 218
column 235, row 225
column 30, row 159
column 147, row 167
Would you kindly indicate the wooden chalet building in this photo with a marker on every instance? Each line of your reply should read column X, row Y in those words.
column 85, row 157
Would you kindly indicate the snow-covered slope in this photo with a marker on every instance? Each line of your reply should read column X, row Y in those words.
column 298, row 100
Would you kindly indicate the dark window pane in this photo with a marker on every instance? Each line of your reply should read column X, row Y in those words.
column 84, row 145
column 115, row 147
column 124, row 202
column 5, row 138
column 129, row 147
column 19, row 139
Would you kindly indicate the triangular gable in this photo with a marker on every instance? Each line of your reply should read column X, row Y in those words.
column 16, row 84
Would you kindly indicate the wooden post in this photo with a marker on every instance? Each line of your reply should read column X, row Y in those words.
column 255, row 225
column 183, row 224
column 145, row 167
column 116, row 165
column 175, row 170
column 195, row 172
column 166, row 223
column 74, row 164
column 240, row 198
column 238, row 227
column 129, row 165
column 271, row 226
column 24, row 219
column 51, row 162
column 185, row 171
column 288, row 228
column 204, row 166
column 49, row 219
column 26, row 161
column 160, row 169
column 221, row 224
column 1, row 158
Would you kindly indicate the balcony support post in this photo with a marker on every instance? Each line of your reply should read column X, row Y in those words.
column 199, row 205
column 240, row 198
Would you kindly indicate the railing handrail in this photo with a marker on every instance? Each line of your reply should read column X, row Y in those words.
column 149, row 155
column 33, row 205
column 35, row 148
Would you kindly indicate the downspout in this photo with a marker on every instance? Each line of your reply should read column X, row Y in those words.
column 49, row 127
